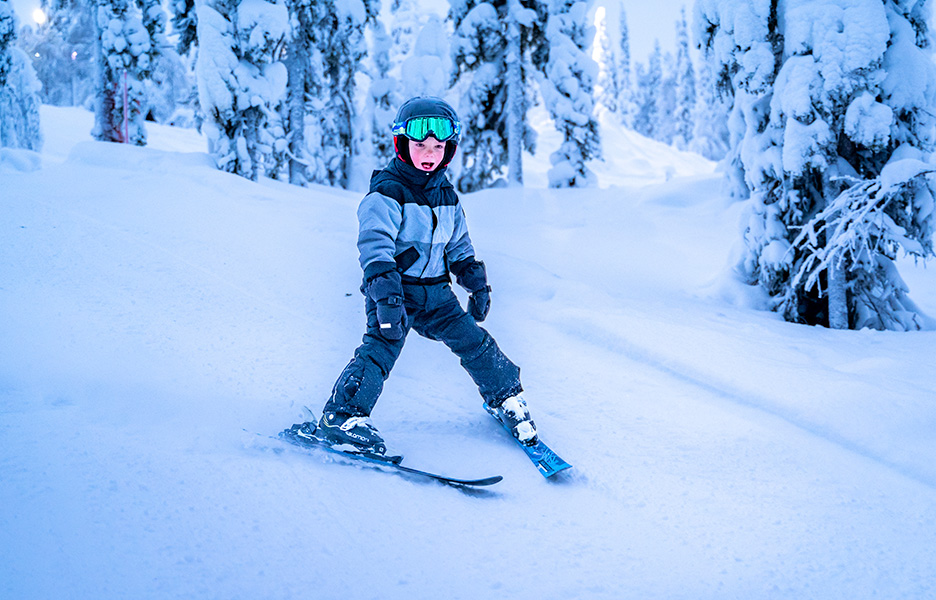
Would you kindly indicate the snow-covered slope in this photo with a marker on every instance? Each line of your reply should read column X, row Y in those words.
column 151, row 308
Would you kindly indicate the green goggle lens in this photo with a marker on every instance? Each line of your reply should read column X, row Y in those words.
column 419, row 128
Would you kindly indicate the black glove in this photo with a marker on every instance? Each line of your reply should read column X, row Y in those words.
column 479, row 303
column 472, row 275
column 386, row 290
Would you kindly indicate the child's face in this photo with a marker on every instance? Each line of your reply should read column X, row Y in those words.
column 427, row 154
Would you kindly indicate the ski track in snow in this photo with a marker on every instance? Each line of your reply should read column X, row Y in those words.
column 722, row 390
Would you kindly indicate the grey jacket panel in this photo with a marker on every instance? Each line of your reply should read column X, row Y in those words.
column 389, row 228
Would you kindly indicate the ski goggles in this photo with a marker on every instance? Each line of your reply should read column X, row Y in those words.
column 419, row 128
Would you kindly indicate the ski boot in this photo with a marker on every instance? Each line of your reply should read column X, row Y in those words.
column 338, row 429
column 515, row 416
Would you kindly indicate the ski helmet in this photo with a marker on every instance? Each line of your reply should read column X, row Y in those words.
column 420, row 117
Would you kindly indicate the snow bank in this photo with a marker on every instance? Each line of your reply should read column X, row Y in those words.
column 14, row 159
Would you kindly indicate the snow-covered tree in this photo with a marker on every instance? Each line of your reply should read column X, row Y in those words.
column 405, row 20
column 325, row 57
column 497, row 44
column 609, row 71
column 184, row 24
column 614, row 75
column 242, row 83
column 685, row 97
column 171, row 91
column 19, row 89
column 647, row 94
column 304, row 66
column 342, row 53
column 154, row 20
column 710, row 136
column 427, row 70
column 625, row 79
column 167, row 86
column 123, row 63
column 664, row 126
column 62, row 51
column 834, row 112
column 8, row 23
column 568, row 92
column 384, row 94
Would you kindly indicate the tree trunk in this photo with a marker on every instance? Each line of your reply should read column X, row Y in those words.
column 296, row 124
column 838, row 297
column 837, row 273
column 514, row 99
column 104, row 101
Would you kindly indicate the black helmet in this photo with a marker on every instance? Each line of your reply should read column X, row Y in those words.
column 421, row 117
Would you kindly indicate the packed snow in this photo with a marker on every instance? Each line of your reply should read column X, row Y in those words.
column 152, row 308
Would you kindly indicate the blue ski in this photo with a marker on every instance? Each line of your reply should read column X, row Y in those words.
column 547, row 462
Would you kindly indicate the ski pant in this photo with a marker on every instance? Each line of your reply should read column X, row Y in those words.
column 432, row 311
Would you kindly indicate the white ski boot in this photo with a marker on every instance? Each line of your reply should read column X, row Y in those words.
column 515, row 416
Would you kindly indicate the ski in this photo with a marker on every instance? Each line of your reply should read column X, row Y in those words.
column 547, row 462
column 392, row 463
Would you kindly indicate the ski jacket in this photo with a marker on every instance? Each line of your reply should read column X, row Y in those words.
column 412, row 221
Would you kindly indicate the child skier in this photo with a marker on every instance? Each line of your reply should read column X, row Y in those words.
column 412, row 234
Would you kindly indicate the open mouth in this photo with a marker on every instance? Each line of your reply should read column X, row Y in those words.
column 427, row 166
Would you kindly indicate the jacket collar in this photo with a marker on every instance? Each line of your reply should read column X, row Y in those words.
column 412, row 176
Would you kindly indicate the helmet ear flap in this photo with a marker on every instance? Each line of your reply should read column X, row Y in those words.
column 450, row 147
column 401, row 145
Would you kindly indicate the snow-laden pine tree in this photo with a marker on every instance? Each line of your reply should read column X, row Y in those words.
column 496, row 46
column 834, row 110
column 154, row 20
column 242, row 83
column 664, row 129
column 8, row 23
column 167, row 86
column 174, row 91
column 123, row 63
column 647, row 94
column 685, row 79
column 171, row 92
column 427, row 70
column 305, row 83
column 184, row 24
column 568, row 92
column 325, row 57
column 626, row 107
column 404, row 22
column 384, row 95
column 62, row 51
column 710, row 136
column 343, row 51
column 608, row 86
column 19, row 89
